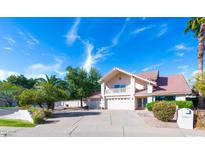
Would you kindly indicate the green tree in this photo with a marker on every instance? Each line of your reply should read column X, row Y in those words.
column 82, row 84
column 8, row 93
column 31, row 96
column 200, row 84
column 22, row 81
column 197, row 26
column 94, row 76
column 52, row 89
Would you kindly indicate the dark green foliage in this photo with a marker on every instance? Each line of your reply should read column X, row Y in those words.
column 194, row 25
column 179, row 104
column 149, row 106
column 78, row 84
column 184, row 104
column 22, row 81
column 38, row 116
column 8, row 93
column 48, row 112
column 164, row 111
column 82, row 83
column 30, row 96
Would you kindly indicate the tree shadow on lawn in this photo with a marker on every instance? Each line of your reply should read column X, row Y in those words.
column 74, row 114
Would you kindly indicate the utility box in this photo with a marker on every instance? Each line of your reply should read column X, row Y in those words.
column 185, row 118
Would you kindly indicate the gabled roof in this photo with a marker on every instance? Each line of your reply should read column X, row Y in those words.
column 152, row 75
column 115, row 69
column 168, row 85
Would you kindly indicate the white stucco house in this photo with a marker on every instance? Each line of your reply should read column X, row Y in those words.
column 124, row 90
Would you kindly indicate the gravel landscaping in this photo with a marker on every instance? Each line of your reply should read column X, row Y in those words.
column 149, row 118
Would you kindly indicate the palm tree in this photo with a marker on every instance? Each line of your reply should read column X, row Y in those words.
column 54, row 89
column 197, row 26
column 52, row 80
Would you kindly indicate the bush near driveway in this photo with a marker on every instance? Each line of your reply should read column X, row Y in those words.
column 38, row 116
column 179, row 104
column 149, row 106
column 164, row 111
column 48, row 112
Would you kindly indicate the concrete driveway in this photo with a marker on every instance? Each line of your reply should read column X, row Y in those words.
column 99, row 123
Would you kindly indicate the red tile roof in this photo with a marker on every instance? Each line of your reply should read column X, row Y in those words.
column 167, row 85
column 153, row 75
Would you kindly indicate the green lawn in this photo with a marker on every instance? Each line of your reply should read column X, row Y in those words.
column 15, row 123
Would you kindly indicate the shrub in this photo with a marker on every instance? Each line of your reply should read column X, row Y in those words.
column 38, row 115
column 200, row 119
column 184, row 104
column 149, row 106
column 25, row 107
column 164, row 111
column 47, row 112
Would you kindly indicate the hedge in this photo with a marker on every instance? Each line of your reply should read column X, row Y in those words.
column 179, row 104
column 184, row 104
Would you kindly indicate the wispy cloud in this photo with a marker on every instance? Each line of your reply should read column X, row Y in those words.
column 95, row 55
column 72, row 35
column 29, row 39
column 142, row 29
column 39, row 70
column 93, row 58
column 163, row 30
column 152, row 67
column 183, row 46
column 116, row 39
column 180, row 54
column 181, row 49
column 11, row 42
column 7, row 48
column 5, row 73
column 184, row 69
column 89, row 59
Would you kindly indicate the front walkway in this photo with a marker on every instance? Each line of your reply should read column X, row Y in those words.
column 98, row 123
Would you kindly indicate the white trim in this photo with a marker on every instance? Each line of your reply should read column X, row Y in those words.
column 125, row 72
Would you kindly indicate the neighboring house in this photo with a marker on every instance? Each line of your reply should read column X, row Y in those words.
column 123, row 90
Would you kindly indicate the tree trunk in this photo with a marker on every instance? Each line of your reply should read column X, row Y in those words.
column 81, row 103
column 201, row 60
column 40, row 105
column 51, row 105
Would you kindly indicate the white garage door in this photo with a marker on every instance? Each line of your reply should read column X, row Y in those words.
column 120, row 104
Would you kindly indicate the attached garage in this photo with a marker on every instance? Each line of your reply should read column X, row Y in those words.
column 120, row 103
column 93, row 102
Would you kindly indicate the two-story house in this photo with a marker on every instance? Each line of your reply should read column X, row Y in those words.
column 123, row 90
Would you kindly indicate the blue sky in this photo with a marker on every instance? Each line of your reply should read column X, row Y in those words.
column 38, row 46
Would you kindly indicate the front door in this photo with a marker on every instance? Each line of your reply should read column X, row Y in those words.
column 140, row 103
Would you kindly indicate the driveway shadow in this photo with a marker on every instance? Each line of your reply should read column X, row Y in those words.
column 50, row 121
column 74, row 114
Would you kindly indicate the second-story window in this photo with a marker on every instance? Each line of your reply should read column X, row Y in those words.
column 119, row 86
